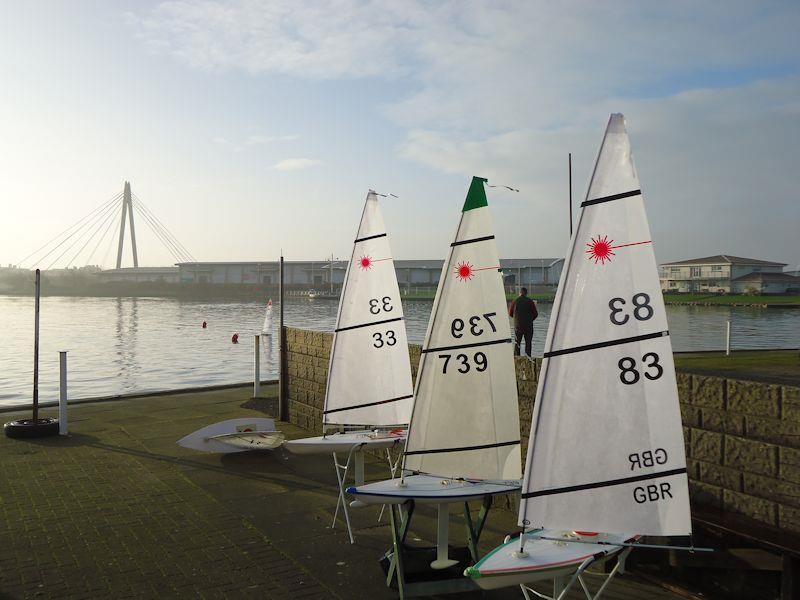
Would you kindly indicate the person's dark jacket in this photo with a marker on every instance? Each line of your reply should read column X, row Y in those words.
column 523, row 309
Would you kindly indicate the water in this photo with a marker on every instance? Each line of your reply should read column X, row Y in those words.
column 126, row 345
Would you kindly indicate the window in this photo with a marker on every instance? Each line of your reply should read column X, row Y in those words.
column 695, row 271
column 716, row 268
column 675, row 269
column 266, row 279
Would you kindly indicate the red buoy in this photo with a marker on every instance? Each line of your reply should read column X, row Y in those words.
column 235, row 338
column 205, row 324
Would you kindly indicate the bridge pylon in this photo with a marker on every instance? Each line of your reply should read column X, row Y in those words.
column 127, row 210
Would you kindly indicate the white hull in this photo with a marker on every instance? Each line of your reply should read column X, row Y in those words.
column 429, row 489
column 344, row 442
column 234, row 435
column 543, row 559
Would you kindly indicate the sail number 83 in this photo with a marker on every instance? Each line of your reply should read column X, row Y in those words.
column 628, row 374
column 642, row 310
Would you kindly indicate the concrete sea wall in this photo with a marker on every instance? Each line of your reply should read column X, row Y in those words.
column 742, row 437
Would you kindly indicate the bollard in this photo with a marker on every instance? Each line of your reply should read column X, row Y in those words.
column 257, row 366
column 62, row 397
column 728, row 338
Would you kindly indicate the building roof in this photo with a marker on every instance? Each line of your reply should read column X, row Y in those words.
column 724, row 259
column 768, row 278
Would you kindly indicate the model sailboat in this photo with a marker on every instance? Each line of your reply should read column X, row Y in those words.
column 606, row 449
column 369, row 391
column 463, row 439
column 266, row 329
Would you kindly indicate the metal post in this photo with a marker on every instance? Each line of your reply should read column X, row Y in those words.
column 283, row 413
column 727, row 338
column 62, row 396
column 36, row 347
column 256, row 366
column 570, row 194
column 331, row 274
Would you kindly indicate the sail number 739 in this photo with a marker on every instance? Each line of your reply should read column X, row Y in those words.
column 476, row 327
column 464, row 365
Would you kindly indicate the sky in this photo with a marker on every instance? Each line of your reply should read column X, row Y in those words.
column 251, row 127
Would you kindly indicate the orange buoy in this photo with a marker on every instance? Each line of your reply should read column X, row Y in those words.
column 235, row 338
column 205, row 324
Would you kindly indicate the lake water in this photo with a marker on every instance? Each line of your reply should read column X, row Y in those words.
column 126, row 345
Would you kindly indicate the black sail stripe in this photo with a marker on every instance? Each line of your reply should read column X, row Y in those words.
column 628, row 340
column 370, row 237
column 463, row 448
column 472, row 241
column 610, row 198
column 459, row 347
column 601, row 484
column 348, row 328
column 327, row 412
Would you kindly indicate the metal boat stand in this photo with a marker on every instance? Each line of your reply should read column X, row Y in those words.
column 562, row 586
column 399, row 553
column 356, row 457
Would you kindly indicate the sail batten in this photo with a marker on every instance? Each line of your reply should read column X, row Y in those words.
column 369, row 372
column 465, row 422
column 606, row 450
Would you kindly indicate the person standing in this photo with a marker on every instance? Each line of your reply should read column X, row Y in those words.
column 523, row 309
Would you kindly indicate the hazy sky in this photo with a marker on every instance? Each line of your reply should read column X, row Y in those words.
column 253, row 126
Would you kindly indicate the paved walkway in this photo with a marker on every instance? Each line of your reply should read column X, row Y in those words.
column 118, row 510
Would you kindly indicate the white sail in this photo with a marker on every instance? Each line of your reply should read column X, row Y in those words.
column 267, row 327
column 466, row 418
column 369, row 374
column 606, row 449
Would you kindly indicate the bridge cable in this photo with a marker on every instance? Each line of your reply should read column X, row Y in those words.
column 79, row 221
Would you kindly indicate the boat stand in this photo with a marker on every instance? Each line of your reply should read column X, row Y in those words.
column 562, row 586
column 446, row 574
column 355, row 457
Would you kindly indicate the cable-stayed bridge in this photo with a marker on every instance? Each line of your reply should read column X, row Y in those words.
column 84, row 240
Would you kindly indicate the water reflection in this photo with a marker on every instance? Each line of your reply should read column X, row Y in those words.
column 124, row 345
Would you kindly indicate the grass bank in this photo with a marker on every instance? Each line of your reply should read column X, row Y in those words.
column 774, row 366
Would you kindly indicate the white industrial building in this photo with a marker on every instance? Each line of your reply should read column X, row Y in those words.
column 319, row 274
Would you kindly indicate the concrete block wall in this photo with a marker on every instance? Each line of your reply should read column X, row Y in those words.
column 742, row 437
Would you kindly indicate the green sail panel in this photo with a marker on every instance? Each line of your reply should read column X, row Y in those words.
column 476, row 196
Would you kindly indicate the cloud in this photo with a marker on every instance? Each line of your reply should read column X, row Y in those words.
column 507, row 89
column 295, row 164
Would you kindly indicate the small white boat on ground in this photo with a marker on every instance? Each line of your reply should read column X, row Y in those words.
column 369, row 390
column 606, row 450
column 463, row 440
column 234, row 435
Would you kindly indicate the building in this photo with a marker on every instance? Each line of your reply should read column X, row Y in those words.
column 722, row 273
column 140, row 274
column 767, row 283
column 319, row 275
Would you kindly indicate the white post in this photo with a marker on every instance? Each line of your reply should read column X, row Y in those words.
column 62, row 398
column 442, row 561
column 728, row 338
column 257, row 366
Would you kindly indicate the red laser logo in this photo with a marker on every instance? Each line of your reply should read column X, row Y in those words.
column 464, row 270
column 366, row 262
column 601, row 249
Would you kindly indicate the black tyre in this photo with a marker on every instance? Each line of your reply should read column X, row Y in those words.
column 28, row 428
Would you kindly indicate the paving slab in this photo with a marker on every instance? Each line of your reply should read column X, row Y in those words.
column 118, row 510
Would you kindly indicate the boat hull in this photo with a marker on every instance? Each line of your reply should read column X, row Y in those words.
column 543, row 559
column 429, row 489
column 344, row 442
column 234, row 435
